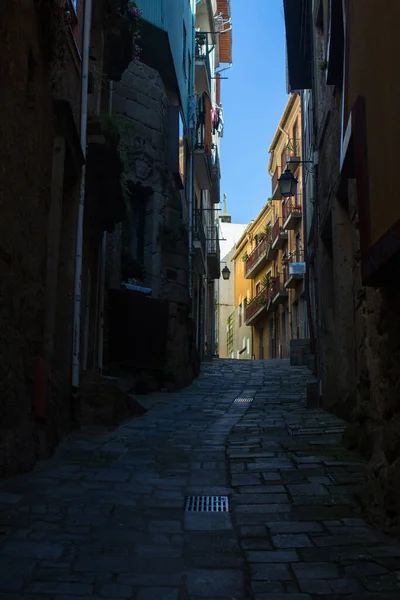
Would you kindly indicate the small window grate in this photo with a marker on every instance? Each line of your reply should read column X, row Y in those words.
column 207, row 504
column 243, row 399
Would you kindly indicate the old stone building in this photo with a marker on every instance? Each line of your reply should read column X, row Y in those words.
column 41, row 159
column 353, row 240
column 96, row 186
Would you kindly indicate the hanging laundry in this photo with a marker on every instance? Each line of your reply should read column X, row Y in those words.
column 192, row 112
column 220, row 128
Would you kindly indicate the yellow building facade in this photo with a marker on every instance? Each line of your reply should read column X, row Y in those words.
column 269, row 259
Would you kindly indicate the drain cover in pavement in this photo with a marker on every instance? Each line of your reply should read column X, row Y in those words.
column 243, row 399
column 207, row 504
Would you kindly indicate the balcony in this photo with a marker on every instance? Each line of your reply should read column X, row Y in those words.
column 293, row 155
column 279, row 235
column 215, row 176
column 294, row 271
column 258, row 307
column 279, row 294
column 276, row 192
column 202, row 63
column 258, row 258
column 199, row 242
column 202, row 160
column 213, row 258
column 292, row 212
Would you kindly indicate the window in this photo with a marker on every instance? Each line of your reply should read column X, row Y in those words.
column 240, row 315
column 258, row 288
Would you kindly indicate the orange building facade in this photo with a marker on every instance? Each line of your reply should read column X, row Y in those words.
column 269, row 259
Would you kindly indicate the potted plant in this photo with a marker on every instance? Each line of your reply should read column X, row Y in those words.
column 266, row 281
column 245, row 256
column 268, row 230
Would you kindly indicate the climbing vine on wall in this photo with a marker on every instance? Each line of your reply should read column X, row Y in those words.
column 132, row 13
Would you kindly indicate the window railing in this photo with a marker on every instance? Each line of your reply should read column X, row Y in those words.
column 200, row 143
column 198, row 230
column 277, row 285
column 202, row 51
column 294, row 264
column 292, row 206
column 277, row 228
column 213, row 240
column 257, row 303
column 258, row 251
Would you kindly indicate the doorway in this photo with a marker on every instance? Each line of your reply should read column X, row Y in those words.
column 261, row 343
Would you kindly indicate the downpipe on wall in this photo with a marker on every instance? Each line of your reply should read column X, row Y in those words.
column 307, row 273
column 191, row 168
column 79, row 233
column 102, row 269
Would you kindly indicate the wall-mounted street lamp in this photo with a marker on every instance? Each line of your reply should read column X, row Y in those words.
column 287, row 181
column 225, row 273
column 287, row 184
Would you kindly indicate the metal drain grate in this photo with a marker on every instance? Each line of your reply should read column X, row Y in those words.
column 207, row 504
column 243, row 399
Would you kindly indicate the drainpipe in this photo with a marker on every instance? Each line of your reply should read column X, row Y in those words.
column 191, row 172
column 87, row 18
column 305, row 245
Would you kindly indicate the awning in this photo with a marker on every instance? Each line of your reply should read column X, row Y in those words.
column 298, row 21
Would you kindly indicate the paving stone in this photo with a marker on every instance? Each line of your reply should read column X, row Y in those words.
column 75, row 589
column 314, row 586
column 153, row 593
column 165, row 526
column 284, row 596
column 253, row 531
column 260, row 498
column 316, row 570
column 104, row 517
column 291, row 541
column 382, row 583
column 267, row 588
column 213, row 583
column 273, row 556
column 293, row 527
column 365, row 569
column 256, row 544
column 238, row 480
column 270, row 572
column 35, row 550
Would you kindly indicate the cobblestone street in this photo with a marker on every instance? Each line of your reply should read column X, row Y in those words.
column 105, row 518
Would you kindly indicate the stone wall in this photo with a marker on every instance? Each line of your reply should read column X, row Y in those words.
column 26, row 156
column 359, row 335
column 141, row 101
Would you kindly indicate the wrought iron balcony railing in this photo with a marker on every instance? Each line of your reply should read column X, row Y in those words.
column 292, row 206
column 202, row 52
column 198, row 230
column 258, row 252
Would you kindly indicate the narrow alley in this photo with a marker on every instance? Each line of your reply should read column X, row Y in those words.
column 106, row 518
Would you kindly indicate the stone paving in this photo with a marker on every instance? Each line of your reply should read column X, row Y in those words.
column 104, row 518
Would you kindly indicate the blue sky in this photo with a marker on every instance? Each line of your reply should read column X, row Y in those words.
column 253, row 98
